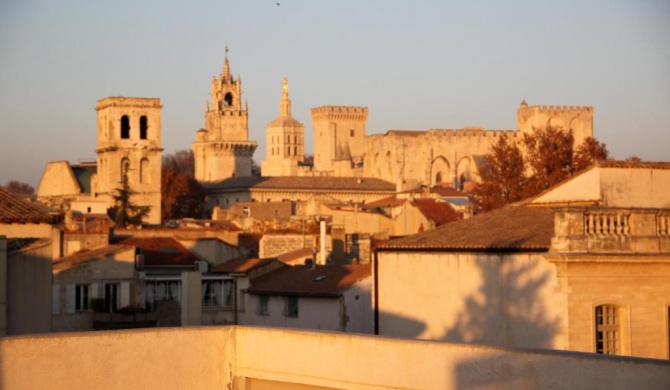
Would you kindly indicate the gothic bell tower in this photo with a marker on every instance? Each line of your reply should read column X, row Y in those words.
column 222, row 149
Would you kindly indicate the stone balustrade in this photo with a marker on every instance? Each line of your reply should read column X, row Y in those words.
column 611, row 230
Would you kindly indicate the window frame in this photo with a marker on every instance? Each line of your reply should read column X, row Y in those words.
column 607, row 320
column 263, row 305
column 291, row 307
column 82, row 297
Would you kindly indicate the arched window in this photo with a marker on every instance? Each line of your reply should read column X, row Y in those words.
column 228, row 100
column 295, row 150
column 125, row 168
column 125, row 127
column 144, row 171
column 143, row 127
column 608, row 333
column 438, row 177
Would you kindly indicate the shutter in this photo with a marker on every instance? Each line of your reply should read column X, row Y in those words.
column 71, row 296
column 55, row 299
column 95, row 291
column 125, row 294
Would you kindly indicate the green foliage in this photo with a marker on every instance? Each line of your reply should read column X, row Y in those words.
column 124, row 212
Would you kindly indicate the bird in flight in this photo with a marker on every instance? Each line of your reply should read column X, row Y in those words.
column 277, row 4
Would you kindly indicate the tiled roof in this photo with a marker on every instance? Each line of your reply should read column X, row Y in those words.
column 391, row 201
column 448, row 192
column 298, row 255
column 16, row 210
column 316, row 183
column 89, row 255
column 240, row 266
column 437, row 211
column 320, row 281
column 161, row 251
column 509, row 228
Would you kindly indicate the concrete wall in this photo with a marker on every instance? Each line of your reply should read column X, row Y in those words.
column 29, row 290
column 229, row 358
column 506, row 300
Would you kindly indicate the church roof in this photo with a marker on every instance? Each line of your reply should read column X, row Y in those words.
column 316, row 183
column 509, row 228
column 16, row 210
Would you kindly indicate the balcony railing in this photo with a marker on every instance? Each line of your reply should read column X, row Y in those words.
column 611, row 230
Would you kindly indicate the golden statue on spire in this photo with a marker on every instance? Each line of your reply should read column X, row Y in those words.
column 285, row 87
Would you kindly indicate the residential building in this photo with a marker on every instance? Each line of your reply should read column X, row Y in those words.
column 582, row 267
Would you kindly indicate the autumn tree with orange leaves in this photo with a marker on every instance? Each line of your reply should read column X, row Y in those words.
column 550, row 157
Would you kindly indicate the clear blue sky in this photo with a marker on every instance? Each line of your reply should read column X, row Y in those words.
column 415, row 64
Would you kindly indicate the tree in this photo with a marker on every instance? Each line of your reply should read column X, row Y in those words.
column 550, row 158
column 590, row 152
column 124, row 212
column 19, row 188
column 182, row 196
column 502, row 176
column 182, row 161
column 549, row 153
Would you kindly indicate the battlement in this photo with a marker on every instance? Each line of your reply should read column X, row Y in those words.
column 471, row 132
column 122, row 101
column 556, row 110
column 340, row 112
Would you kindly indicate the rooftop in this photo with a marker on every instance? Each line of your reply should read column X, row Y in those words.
column 509, row 228
column 161, row 251
column 16, row 210
column 318, row 183
column 302, row 280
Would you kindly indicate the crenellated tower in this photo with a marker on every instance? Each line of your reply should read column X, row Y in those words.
column 579, row 119
column 285, row 141
column 222, row 149
column 339, row 139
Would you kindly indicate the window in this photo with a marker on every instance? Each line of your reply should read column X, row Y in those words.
column 125, row 127
column 246, row 211
column 295, row 150
column 228, row 100
column 608, row 340
column 81, row 297
column 144, row 171
column 291, row 306
column 143, row 127
column 125, row 167
column 111, row 296
column 263, row 305
column 352, row 132
column 217, row 293
column 161, row 290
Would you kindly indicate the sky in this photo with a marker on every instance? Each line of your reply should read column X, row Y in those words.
column 416, row 65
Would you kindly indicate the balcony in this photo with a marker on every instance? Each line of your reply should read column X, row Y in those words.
column 611, row 231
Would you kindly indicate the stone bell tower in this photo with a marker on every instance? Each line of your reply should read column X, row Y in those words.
column 222, row 149
column 129, row 143
column 285, row 141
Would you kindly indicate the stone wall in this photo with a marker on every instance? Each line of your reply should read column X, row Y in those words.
column 272, row 245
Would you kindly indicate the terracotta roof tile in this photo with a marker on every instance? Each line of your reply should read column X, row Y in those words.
column 161, row 251
column 240, row 266
column 509, row 228
column 437, row 211
column 323, row 183
column 89, row 255
column 296, row 256
column 16, row 210
column 320, row 281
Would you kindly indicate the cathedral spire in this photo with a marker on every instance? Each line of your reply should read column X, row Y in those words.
column 226, row 66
